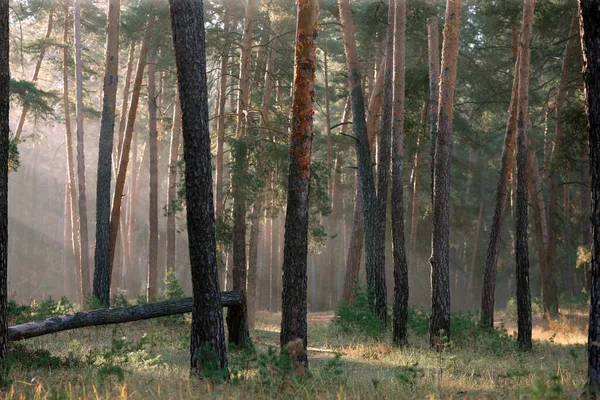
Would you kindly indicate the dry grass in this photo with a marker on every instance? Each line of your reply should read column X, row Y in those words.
column 367, row 369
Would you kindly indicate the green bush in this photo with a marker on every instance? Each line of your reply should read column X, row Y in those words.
column 358, row 317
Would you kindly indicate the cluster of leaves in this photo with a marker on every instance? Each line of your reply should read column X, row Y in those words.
column 38, row 310
column 358, row 317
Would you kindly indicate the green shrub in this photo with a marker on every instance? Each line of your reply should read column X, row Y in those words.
column 358, row 317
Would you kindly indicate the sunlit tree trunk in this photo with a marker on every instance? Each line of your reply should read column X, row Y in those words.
column 433, row 44
column 521, row 245
column 172, row 184
column 207, row 331
column 107, row 129
column 439, row 324
column 36, row 72
column 334, row 235
column 399, row 332
column 4, row 143
column 416, row 186
column 126, row 148
column 240, row 151
column 153, row 189
column 550, row 294
column 75, row 239
column 83, row 225
column 275, row 266
column 295, row 252
column 125, row 103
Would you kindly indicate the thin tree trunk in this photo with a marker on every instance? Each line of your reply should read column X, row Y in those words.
column 295, row 253
column 239, row 195
column 521, row 245
column 36, row 72
column 550, row 296
column 4, row 148
column 275, row 266
column 107, row 129
column 367, row 184
column 125, row 104
column 334, row 236
column 172, row 184
column 75, row 238
column 83, row 225
column 401, row 290
column 207, row 333
column 416, row 186
column 152, row 282
column 125, row 150
column 439, row 324
column 433, row 44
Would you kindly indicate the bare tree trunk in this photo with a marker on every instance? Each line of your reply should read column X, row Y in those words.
column 83, row 225
column 439, row 324
column 416, row 186
column 401, row 290
column 550, row 295
column 207, row 333
column 125, row 103
column 107, row 129
column 75, row 238
column 433, row 44
column 295, row 253
column 172, row 184
column 521, row 245
column 36, row 72
column 4, row 149
column 239, row 195
column 125, row 150
column 152, row 282
column 334, row 236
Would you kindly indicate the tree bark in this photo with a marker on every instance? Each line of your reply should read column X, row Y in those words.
column 550, row 295
column 416, row 186
column 152, row 287
column 433, row 44
column 207, row 333
column 172, row 184
column 399, row 331
column 239, row 195
column 115, row 316
column 589, row 19
column 376, row 291
column 4, row 143
column 36, row 72
column 295, row 252
column 125, row 103
column 439, row 324
column 75, row 238
column 83, row 224
column 105, row 148
column 334, row 236
column 521, row 245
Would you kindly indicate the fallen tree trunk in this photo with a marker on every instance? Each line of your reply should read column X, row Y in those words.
column 112, row 316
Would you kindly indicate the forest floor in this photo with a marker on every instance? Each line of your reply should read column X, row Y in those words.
column 149, row 360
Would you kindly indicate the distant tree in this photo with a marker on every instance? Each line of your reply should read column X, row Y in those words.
column 152, row 282
column 440, row 255
column 207, row 347
column 433, row 45
column 172, row 183
column 589, row 19
column 295, row 250
column 83, row 222
column 521, row 243
column 4, row 143
column 101, row 285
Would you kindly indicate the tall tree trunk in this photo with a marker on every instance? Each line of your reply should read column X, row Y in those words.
column 550, row 297
column 275, row 266
column 375, row 287
column 389, row 112
column 83, row 225
column 172, row 184
column 433, row 44
column 125, row 103
column 75, row 238
column 239, row 195
column 399, row 332
column 36, row 72
column 69, row 258
column 493, row 249
column 105, row 148
column 115, row 214
column 295, row 252
column 334, row 236
column 153, row 190
column 4, row 143
column 207, row 331
column 439, row 324
column 221, row 109
column 521, row 245
column 416, row 186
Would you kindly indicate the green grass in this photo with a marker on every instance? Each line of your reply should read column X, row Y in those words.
column 149, row 360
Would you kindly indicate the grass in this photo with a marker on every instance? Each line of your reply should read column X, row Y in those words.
column 149, row 360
